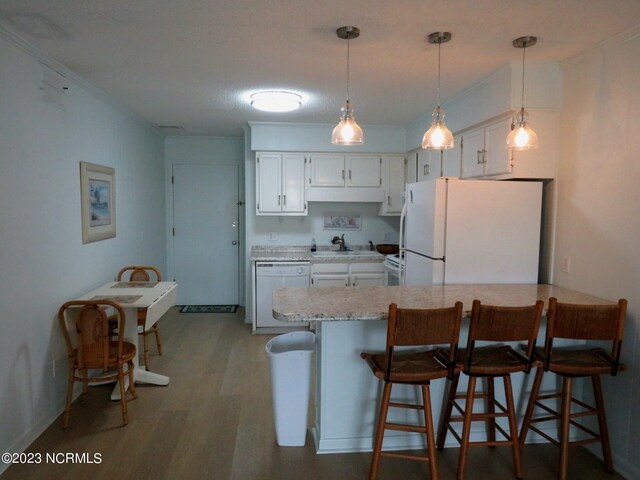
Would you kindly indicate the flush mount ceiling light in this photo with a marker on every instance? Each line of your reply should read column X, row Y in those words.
column 347, row 132
column 276, row 101
column 522, row 137
column 438, row 137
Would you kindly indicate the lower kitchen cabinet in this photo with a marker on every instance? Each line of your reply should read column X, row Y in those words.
column 347, row 274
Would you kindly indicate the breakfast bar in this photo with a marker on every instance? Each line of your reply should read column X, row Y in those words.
column 349, row 321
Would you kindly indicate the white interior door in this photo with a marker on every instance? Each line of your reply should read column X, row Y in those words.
column 205, row 242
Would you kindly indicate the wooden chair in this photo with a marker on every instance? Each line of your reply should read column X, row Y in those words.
column 415, row 328
column 136, row 273
column 89, row 347
column 580, row 322
column 491, row 324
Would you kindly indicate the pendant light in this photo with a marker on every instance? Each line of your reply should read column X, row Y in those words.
column 438, row 137
column 347, row 132
column 522, row 137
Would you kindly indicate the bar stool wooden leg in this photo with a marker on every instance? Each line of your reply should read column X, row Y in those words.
column 491, row 409
column 602, row 423
column 158, row 342
column 535, row 390
column 565, row 424
column 513, row 428
column 446, row 413
column 146, row 349
column 431, row 441
column 382, row 419
column 466, row 428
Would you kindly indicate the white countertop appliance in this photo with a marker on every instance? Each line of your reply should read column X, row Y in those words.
column 270, row 275
column 471, row 231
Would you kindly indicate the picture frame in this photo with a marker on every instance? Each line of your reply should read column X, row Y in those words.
column 97, row 202
column 342, row 221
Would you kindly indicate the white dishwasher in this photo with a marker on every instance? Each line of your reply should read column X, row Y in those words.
column 270, row 275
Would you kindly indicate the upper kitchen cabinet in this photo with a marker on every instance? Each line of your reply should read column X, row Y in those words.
column 345, row 170
column 394, row 178
column 483, row 150
column 484, row 153
column 345, row 178
column 280, row 184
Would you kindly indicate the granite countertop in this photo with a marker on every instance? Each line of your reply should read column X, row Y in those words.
column 302, row 253
column 372, row 303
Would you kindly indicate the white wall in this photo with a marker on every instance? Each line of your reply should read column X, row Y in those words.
column 598, row 211
column 43, row 262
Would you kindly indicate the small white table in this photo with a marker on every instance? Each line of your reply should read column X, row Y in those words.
column 157, row 298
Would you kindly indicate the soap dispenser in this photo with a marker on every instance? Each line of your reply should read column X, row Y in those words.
column 313, row 245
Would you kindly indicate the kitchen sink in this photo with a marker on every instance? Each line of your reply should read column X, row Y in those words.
column 348, row 253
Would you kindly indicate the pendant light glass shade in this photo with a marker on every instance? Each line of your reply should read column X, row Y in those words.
column 347, row 132
column 438, row 137
column 522, row 136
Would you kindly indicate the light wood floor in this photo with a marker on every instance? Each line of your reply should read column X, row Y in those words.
column 214, row 421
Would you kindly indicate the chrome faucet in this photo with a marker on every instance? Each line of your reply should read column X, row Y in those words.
column 339, row 241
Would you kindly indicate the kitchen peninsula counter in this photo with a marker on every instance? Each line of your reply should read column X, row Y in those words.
column 352, row 320
column 372, row 303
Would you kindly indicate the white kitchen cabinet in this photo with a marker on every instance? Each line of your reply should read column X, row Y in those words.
column 484, row 152
column 429, row 164
column 326, row 170
column 347, row 274
column 394, row 178
column 280, row 184
column 345, row 170
column 451, row 159
column 330, row 274
column 364, row 170
column 345, row 178
column 439, row 163
column 366, row 274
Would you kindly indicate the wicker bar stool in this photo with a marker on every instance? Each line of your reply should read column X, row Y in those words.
column 414, row 328
column 136, row 273
column 489, row 361
column 579, row 322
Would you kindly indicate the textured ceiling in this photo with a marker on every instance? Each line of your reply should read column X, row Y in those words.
column 193, row 63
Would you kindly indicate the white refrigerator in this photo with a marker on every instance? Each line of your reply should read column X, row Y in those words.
column 471, row 231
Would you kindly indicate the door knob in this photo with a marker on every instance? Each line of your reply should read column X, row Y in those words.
column 234, row 243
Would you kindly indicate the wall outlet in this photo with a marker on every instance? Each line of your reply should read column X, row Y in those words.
column 566, row 264
column 273, row 236
column 387, row 237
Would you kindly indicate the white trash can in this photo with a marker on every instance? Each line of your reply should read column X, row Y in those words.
column 290, row 364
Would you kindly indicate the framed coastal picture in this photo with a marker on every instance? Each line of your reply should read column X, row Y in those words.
column 341, row 221
column 98, row 202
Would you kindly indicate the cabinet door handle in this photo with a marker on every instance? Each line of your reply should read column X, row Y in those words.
column 389, row 200
column 284, row 199
column 349, row 174
column 343, row 174
column 278, row 200
column 425, row 170
column 478, row 157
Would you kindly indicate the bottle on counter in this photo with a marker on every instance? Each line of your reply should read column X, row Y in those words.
column 313, row 245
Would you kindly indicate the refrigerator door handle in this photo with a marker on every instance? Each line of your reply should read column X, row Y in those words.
column 439, row 259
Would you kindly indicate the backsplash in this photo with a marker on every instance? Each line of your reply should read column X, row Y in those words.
column 287, row 231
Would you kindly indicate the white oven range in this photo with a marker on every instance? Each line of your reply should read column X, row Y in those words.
column 394, row 269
